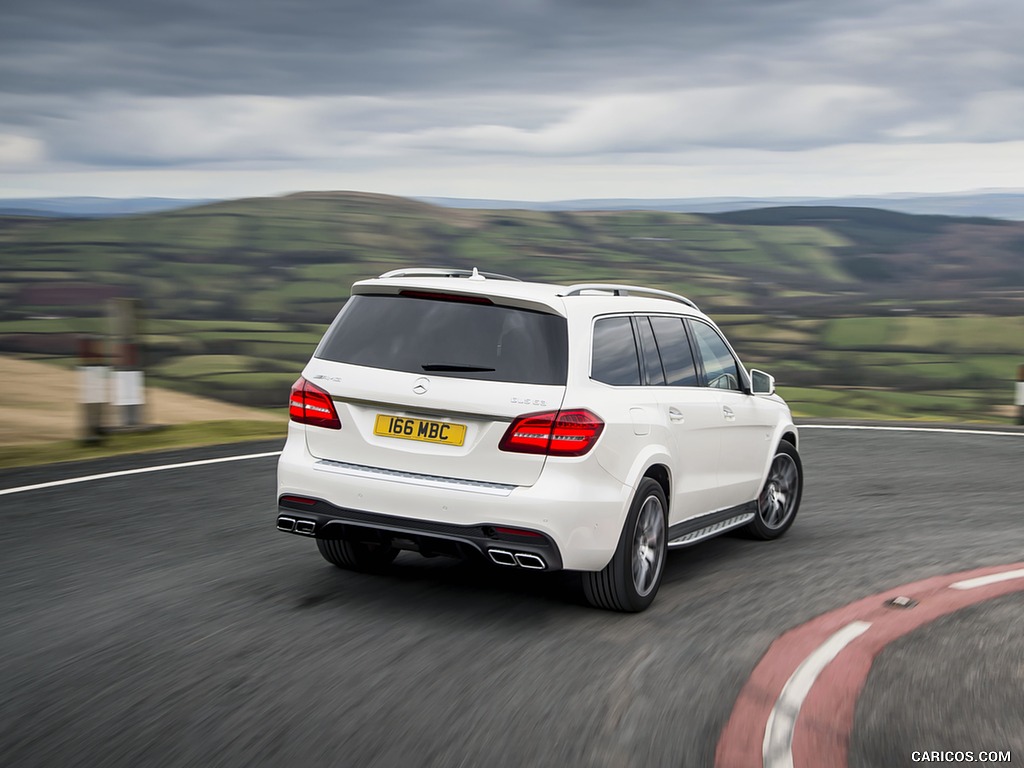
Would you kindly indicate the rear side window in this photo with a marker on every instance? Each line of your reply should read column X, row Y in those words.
column 676, row 356
column 449, row 338
column 652, row 361
column 614, row 356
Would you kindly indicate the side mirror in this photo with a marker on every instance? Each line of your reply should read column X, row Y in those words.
column 761, row 383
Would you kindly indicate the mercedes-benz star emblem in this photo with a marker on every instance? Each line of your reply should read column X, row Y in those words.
column 422, row 385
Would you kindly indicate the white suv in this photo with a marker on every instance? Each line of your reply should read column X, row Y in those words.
column 586, row 427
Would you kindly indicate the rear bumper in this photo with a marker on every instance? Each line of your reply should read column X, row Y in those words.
column 576, row 506
column 323, row 520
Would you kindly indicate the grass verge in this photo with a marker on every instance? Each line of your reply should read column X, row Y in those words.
column 158, row 439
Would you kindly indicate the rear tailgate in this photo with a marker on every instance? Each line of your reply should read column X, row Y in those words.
column 451, row 430
column 429, row 383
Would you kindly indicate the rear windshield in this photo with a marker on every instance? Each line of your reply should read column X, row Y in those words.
column 449, row 338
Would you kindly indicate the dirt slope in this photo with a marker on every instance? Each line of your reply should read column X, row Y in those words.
column 39, row 403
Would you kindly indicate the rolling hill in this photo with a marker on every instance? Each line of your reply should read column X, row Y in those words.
column 828, row 298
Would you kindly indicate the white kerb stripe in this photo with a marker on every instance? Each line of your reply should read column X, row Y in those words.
column 777, row 749
column 984, row 581
column 140, row 471
column 940, row 430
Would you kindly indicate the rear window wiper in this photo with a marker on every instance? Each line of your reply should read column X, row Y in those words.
column 455, row 368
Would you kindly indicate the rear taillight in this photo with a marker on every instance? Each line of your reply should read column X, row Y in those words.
column 553, row 433
column 309, row 404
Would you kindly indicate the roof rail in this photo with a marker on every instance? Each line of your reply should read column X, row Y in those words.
column 471, row 274
column 626, row 290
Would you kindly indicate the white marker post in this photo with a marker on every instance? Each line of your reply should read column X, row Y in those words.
column 92, row 389
column 1020, row 394
column 129, row 381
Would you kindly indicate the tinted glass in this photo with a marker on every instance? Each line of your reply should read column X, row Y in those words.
column 652, row 361
column 676, row 356
column 615, row 361
column 449, row 338
column 719, row 364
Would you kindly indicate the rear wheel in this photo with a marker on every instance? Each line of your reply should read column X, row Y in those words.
column 356, row 555
column 631, row 580
column 779, row 499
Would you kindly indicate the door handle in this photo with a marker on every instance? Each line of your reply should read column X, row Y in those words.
column 727, row 412
column 674, row 414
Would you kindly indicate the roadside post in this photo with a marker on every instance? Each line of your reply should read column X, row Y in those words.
column 92, row 387
column 1020, row 395
column 129, row 385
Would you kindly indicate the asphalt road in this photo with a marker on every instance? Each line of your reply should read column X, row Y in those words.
column 161, row 620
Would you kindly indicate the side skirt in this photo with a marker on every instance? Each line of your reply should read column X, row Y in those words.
column 704, row 527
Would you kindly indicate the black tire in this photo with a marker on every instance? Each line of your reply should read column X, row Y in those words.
column 356, row 555
column 779, row 499
column 626, row 583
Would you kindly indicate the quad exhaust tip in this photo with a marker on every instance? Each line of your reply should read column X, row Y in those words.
column 513, row 559
column 501, row 557
column 532, row 562
column 292, row 525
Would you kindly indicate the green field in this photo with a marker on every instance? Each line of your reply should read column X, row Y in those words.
column 858, row 313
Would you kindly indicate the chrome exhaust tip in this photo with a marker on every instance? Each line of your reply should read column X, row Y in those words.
column 305, row 527
column 501, row 557
column 533, row 562
column 286, row 524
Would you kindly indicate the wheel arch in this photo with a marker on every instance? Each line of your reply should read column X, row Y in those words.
column 661, row 475
column 784, row 433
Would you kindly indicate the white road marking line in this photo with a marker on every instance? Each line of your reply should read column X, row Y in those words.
column 941, row 430
column 777, row 748
column 144, row 470
column 984, row 581
column 140, row 471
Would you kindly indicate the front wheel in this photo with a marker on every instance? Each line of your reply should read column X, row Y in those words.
column 631, row 580
column 779, row 500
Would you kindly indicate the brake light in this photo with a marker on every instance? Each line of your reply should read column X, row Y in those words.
column 438, row 296
column 309, row 404
column 553, row 433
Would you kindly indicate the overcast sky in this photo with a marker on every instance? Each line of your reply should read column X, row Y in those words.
column 530, row 100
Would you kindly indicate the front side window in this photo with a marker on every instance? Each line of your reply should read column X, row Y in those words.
column 719, row 364
column 451, row 338
column 614, row 354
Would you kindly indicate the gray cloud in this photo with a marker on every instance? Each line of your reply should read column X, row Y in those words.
column 118, row 84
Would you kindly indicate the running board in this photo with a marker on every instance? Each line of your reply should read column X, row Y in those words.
column 712, row 530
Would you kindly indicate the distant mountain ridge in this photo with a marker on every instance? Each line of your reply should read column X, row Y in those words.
column 1000, row 204
column 92, row 207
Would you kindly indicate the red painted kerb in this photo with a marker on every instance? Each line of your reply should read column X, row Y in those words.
column 822, row 733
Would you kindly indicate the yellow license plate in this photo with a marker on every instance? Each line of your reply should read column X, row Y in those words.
column 420, row 429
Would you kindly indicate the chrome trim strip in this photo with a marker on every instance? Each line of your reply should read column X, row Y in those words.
column 434, row 414
column 414, row 478
column 711, row 530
